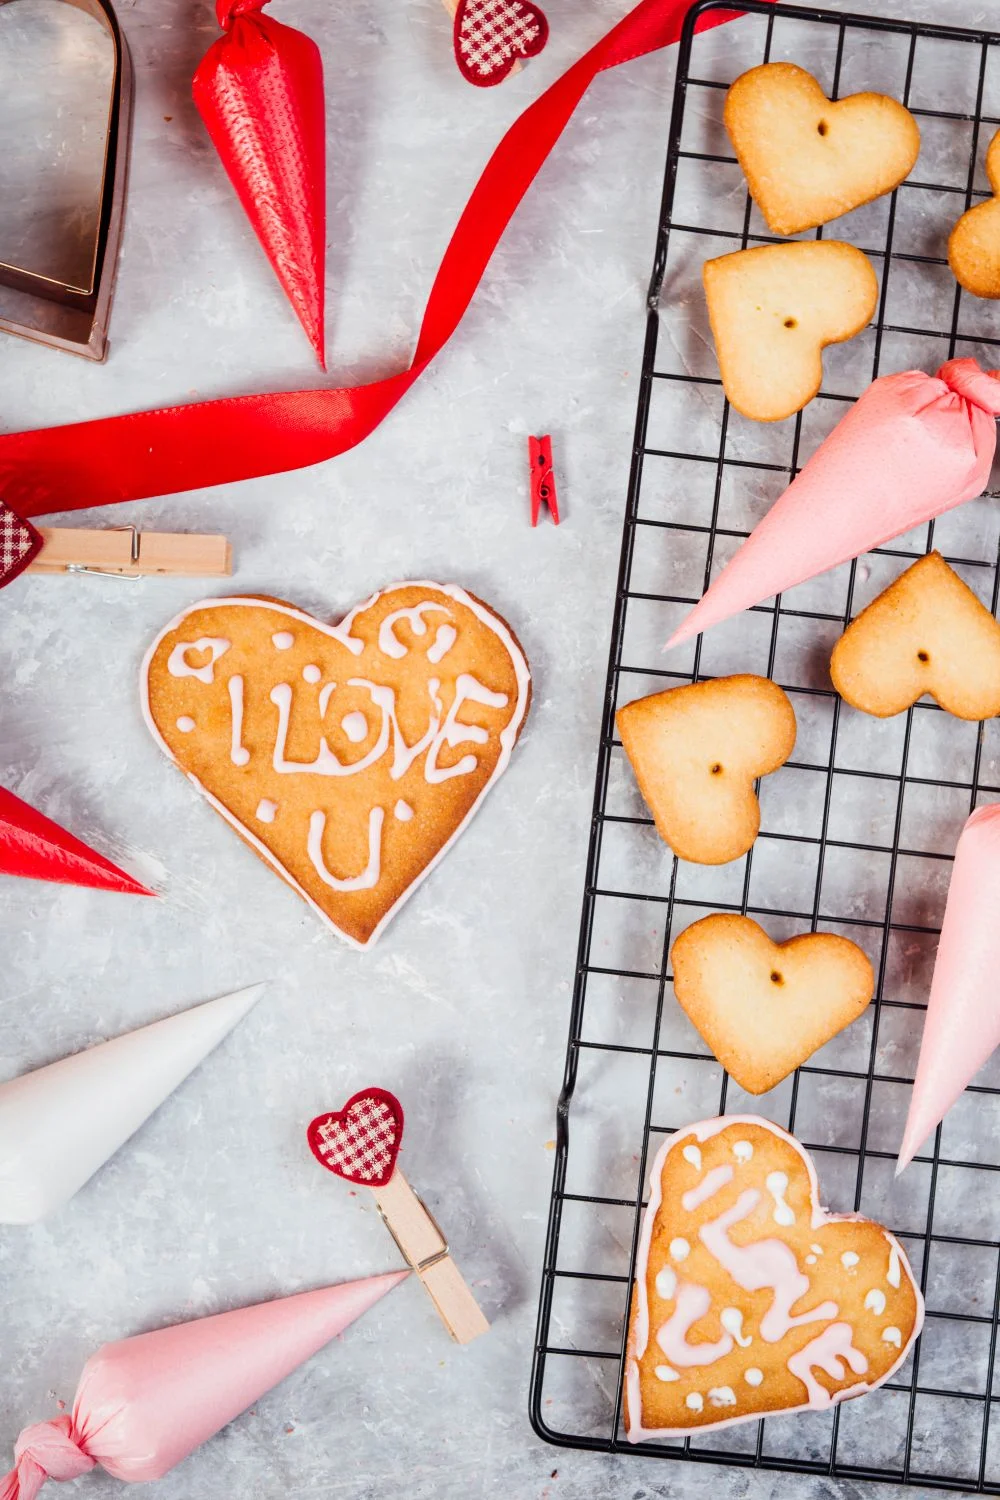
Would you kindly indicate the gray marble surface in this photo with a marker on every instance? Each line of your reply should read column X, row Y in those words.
column 462, row 1008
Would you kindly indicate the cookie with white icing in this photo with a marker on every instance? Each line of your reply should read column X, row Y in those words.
column 348, row 756
column 749, row 1298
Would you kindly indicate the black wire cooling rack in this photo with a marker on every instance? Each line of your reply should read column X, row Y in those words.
column 858, row 829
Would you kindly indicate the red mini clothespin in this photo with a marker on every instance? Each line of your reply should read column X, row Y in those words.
column 543, row 483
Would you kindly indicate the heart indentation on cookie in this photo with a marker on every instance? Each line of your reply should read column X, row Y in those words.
column 926, row 633
column 491, row 35
column 773, row 311
column 696, row 752
column 765, row 1007
column 749, row 1298
column 807, row 159
column 974, row 243
column 361, row 1141
column 348, row 756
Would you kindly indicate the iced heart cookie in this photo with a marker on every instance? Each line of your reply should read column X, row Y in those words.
column 748, row 1297
column 773, row 311
column 974, row 243
column 348, row 756
column 926, row 633
column 807, row 159
column 696, row 752
column 764, row 1007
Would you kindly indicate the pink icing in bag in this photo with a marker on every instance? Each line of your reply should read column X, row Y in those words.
column 912, row 447
column 962, row 1027
column 144, row 1403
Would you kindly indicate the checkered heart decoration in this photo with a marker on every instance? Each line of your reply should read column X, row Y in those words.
column 490, row 36
column 361, row 1141
column 19, row 543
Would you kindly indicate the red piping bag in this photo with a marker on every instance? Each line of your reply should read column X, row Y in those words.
column 259, row 90
column 34, row 847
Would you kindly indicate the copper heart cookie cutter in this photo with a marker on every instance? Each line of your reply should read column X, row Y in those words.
column 72, row 314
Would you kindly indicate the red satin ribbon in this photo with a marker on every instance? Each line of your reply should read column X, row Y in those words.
column 178, row 448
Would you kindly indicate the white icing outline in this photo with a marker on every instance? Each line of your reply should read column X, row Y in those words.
column 701, row 1131
column 341, row 633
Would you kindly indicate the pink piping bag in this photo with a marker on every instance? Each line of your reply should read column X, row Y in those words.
column 145, row 1403
column 962, row 1027
column 912, row 447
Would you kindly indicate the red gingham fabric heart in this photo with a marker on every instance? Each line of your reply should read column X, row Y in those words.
column 361, row 1141
column 19, row 543
column 490, row 35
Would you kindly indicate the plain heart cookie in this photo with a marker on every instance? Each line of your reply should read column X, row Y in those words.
column 926, row 633
column 750, row 1299
column 808, row 159
column 696, row 752
column 348, row 756
column 974, row 243
column 773, row 311
column 764, row 1007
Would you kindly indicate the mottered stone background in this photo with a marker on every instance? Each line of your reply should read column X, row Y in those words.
column 462, row 1008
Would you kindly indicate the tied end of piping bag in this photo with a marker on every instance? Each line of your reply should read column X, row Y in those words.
column 227, row 11
column 45, row 1450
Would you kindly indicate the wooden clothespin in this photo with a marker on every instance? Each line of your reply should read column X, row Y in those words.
column 360, row 1143
column 126, row 552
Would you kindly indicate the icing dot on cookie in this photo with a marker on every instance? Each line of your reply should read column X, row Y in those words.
column 753, row 1376
column 445, row 638
column 679, row 1249
column 266, row 811
column 777, row 1186
column 311, row 673
column 722, row 1395
column 810, row 1260
column 849, row 1260
column 185, row 724
column 283, row 640
column 892, row 1336
column 693, row 1155
column 666, row 1283
column 664, row 1372
column 355, row 726
column 694, row 1402
column 893, row 1275
column 743, row 1151
column 732, row 1321
column 816, row 1249
column 875, row 1301
column 403, row 811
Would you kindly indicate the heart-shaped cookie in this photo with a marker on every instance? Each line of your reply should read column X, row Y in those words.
column 808, row 160
column 764, row 1007
column 348, row 756
column 696, row 752
column 748, row 1297
column 773, row 311
column 974, row 243
column 361, row 1141
column 491, row 35
column 926, row 633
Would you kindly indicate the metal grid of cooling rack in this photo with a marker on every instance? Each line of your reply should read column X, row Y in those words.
column 858, row 839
